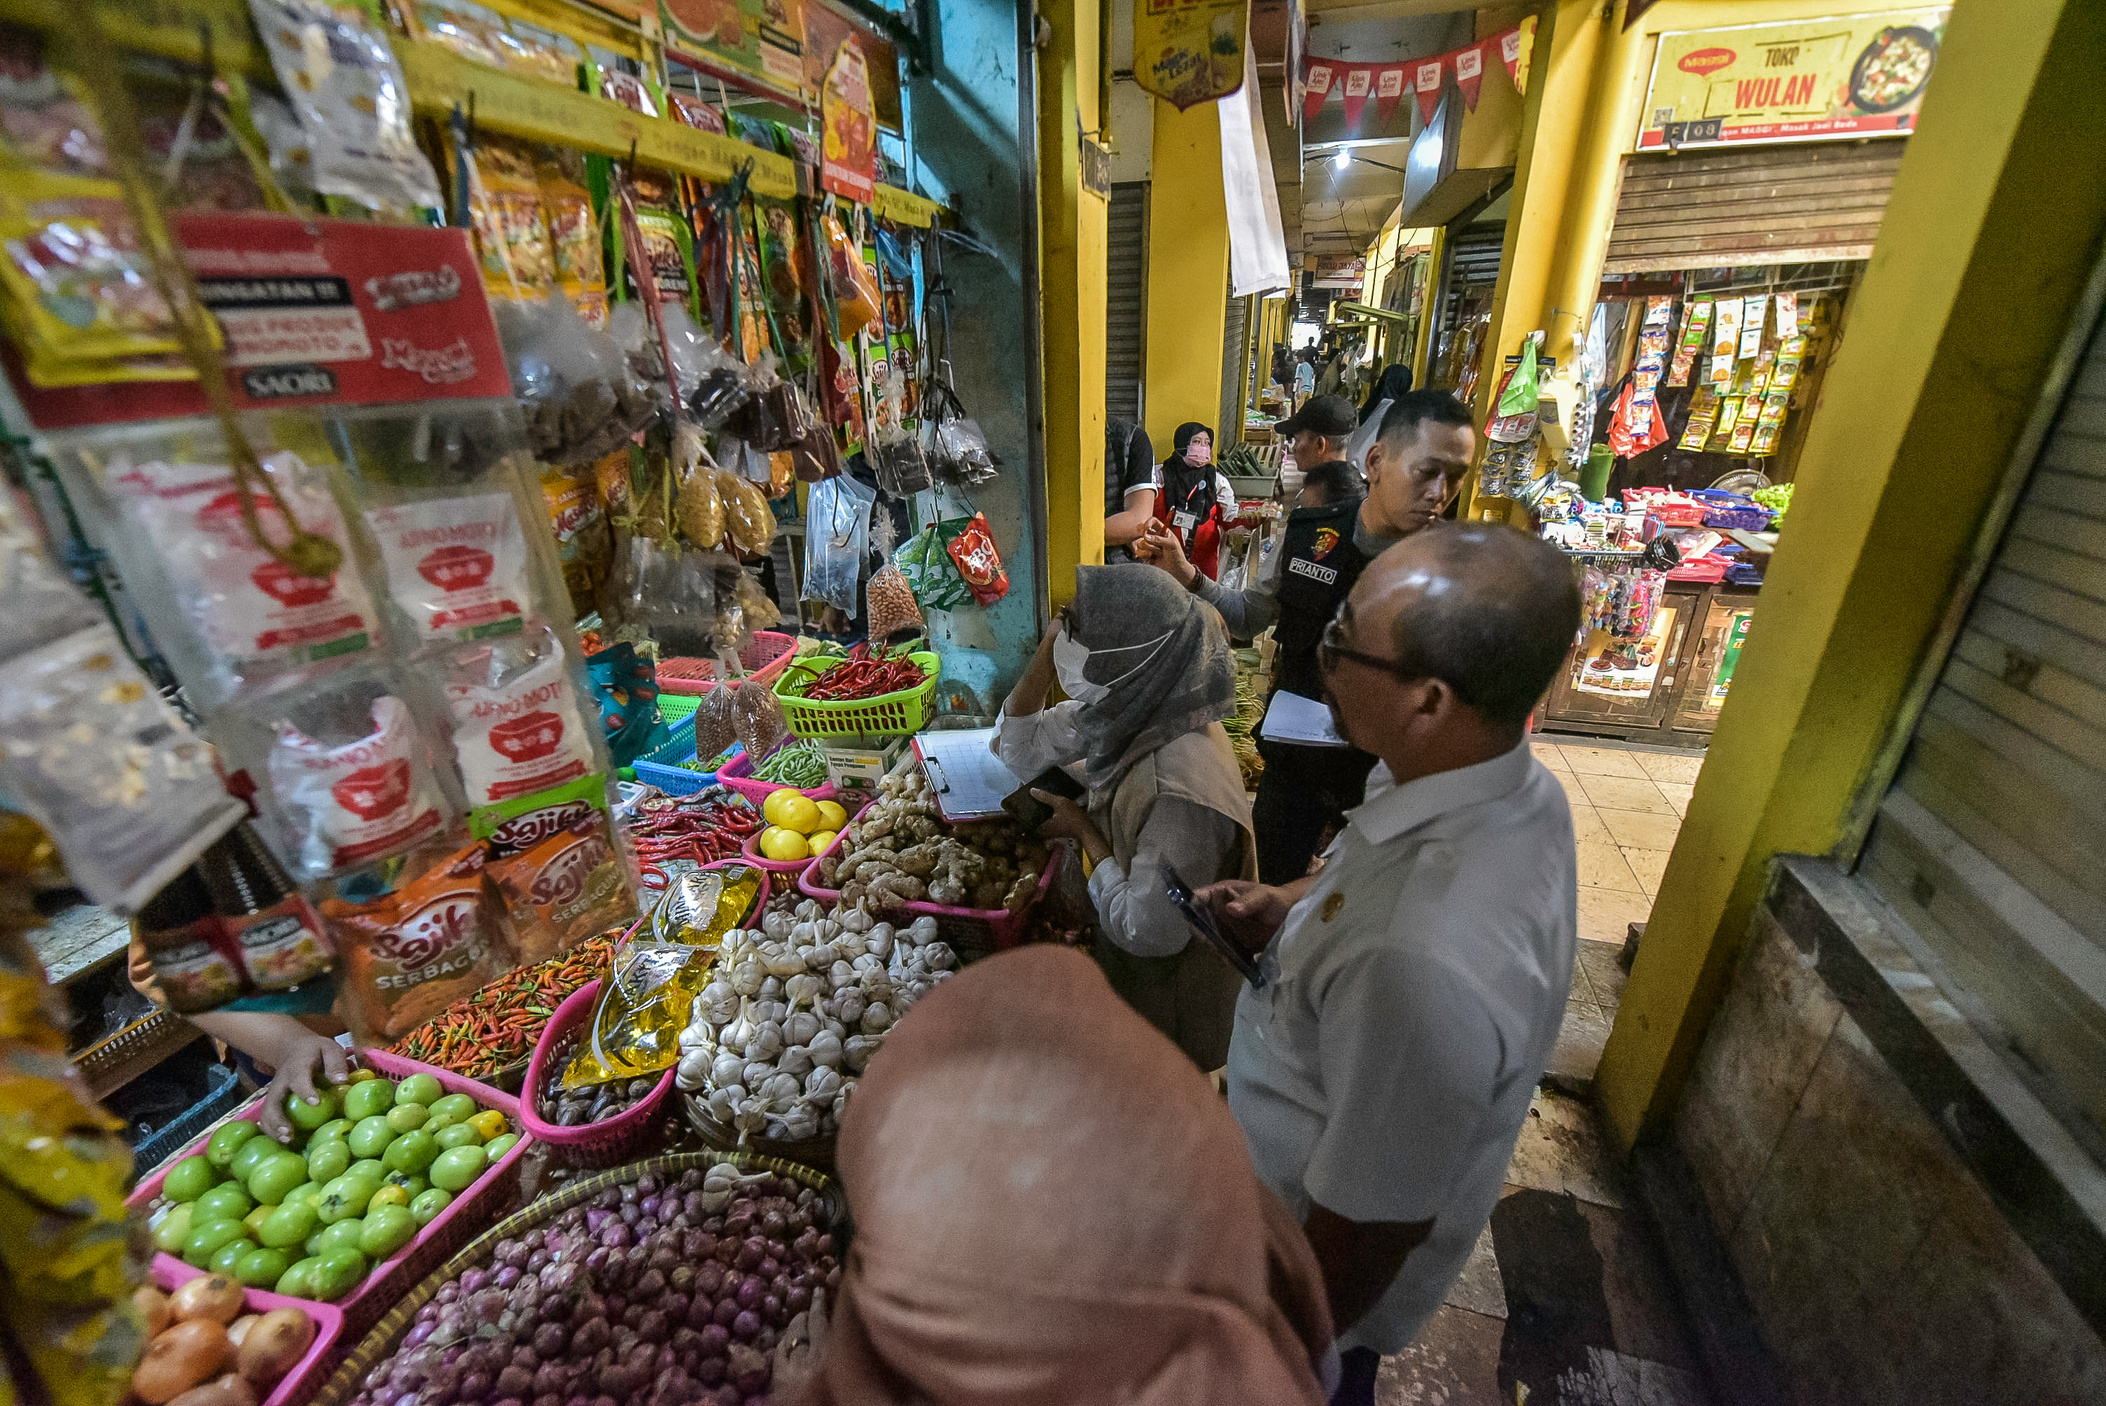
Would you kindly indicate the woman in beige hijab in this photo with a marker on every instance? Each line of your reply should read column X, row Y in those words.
column 1053, row 1207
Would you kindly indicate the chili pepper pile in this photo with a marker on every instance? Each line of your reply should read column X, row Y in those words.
column 864, row 675
column 705, row 827
column 498, row 1024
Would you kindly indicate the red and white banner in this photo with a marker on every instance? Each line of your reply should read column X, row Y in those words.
column 1426, row 78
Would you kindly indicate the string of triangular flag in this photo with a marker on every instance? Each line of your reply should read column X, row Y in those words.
column 1355, row 82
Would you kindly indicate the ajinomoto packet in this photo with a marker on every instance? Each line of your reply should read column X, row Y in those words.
column 409, row 954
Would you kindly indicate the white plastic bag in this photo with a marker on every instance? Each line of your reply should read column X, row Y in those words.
column 837, row 535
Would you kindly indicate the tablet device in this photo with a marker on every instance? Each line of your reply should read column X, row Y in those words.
column 1202, row 920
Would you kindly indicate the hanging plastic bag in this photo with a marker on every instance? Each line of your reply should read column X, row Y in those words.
column 855, row 292
column 761, row 610
column 931, row 572
column 581, row 396
column 1521, row 391
column 699, row 507
column 958, row 446
column 716, row 729
column 837, row 527
column 516, row 724
column 756, row 718
column 747, row 515
column 972, row 547
column 896, row 456
column 355, row 798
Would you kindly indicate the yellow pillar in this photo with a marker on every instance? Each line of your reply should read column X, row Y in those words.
column 1985, row 247
column 1188, row 263
column 1072, row 275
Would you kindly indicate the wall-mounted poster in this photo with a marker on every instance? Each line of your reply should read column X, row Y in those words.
column 1806, row 80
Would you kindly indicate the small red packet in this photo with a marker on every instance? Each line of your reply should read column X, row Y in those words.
column 973, row 549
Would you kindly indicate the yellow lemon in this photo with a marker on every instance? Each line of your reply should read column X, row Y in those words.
column 820, row 839
column 783, row 845
column 772, row 809
column 801, row 815
column 831, row 815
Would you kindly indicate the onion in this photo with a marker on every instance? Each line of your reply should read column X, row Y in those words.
column 709, row 1371
column 771, row 1311
column 798, row 1299
column 507, row 1276
column 746, row 1326
column 751, row 1252
column 675, row 1306
column 474, row 1280
column 709, row 1280
column 514, row 1381
column 536, row 1261
column 550, row 1339
column 474, row 1387
column 727, row 1309
column 653, row 1326
column 715, row 1338
column 651, row 1285
column 749, row 1292
column 616, row 1237
column 616, row 1306
column 417, row 1334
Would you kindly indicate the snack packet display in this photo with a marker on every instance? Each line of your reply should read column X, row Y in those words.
column 352, row 102
column 361, row 800
column 565, row 889
column 746, row 513
column 77, row 288
column 409, row 954
column 456, row 566
column 92, row 752
column 516, row 724
column 699, row 508
column 574, row 233
column 254, row 613
column 855, row 291
column 512, row 243
column 579, row 520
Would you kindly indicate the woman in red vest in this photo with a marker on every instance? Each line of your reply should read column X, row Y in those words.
column 1192, row 499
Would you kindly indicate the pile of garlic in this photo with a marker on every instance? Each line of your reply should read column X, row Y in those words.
column 796, row 1010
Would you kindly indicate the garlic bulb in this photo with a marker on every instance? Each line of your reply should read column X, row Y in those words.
column 939, row 956
column 877, row 986
column 804, row 934
column 692, row 1072
column 856, row 1054
column 780, row 1090
column 747, row 976
column 771, row 989
column 821, row 956
column 876, row 1020
column 777, row 925
column 826, row 1048
column 856, row 920
column 840, row 975
column 698, row 1036
column 848, row 1086
column 827, row 929
column 718, row 1003
column 822, row 1082
column 751, row 1117
column 923, row 931
column 735, row 1036
column 850, row 945
column 834, row 1028
column 728, row 1069
column 865, row 964
column 721, row 1104
column 782, row 961
column 879, row 941
column 800, row 1027
column 853, row 1005
column 808, row 911
column 755, row 1073
column 797, row 1059
column 767, row 1038
column 802, row 990
column 829, row 1006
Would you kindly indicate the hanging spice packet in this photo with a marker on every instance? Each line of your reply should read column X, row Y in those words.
column 565, row 889
column 668, row 242
column 456, row 566
column 360, row 801
column 972, row 547
column 516, row 723
column 1696, row 321
column 505, row 210
column 408, row 955
column 574, row 234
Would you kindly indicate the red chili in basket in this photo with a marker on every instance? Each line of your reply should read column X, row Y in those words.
column 705, row 827
column 860, row 676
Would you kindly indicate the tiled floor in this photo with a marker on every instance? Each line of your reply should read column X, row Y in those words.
column 1626, row 809
column 1567, row 1300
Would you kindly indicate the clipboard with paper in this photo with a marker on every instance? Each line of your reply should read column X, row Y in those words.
column 968, row 779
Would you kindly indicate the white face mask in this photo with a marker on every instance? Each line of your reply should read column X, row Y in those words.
column 1068, row 659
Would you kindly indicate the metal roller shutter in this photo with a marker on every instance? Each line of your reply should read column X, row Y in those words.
column 1229, row 427
column 1992, row 841
column 1764, row 205
column 1126, row 300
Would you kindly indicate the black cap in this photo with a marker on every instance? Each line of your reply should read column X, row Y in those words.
column 1331, row 416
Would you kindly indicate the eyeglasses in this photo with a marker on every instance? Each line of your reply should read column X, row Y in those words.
column 1331, row 648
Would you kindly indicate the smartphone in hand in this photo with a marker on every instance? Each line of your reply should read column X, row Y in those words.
column 1028, row 810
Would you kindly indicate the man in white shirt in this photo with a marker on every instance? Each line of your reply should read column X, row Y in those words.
column 1416, row 983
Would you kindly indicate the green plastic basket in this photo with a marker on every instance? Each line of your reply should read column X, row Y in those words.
column 887, row 715
column 675, row 706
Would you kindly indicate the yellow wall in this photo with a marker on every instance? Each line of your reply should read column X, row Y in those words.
column 1188, row 263
column 1072, row 269
column 1984, row 248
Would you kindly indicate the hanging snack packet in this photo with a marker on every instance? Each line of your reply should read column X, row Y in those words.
column 361, row 801
column 89, row 748
column 668, row 241
column 255, row 613
column 566, row 204
column 889, row 605
column 352, row 102
column 855, row 292
column 409, row 954
column 456, row 566
column 516, row 724
column 699, row 507
column 746, row 513
column 578, row 519
column 504, row 207
column 565, row 889
column 625, row 693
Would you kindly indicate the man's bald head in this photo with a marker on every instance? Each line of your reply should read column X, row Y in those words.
column 1487, row 610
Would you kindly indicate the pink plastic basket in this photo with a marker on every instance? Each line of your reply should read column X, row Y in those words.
column 765, row 656
column 610, row 1141
column 313, row 1368
column 475, row 1210
column 973, row 932
column 738, row 775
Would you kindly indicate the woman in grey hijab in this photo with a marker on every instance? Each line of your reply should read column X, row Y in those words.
column 1147, row 671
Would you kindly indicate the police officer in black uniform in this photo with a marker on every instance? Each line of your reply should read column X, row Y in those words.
column 1413, row 469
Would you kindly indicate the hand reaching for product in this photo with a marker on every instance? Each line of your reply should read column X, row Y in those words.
column 1158, row 546
column 1248, row 913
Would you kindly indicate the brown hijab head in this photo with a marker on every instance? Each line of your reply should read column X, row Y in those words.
column 1053, row 1207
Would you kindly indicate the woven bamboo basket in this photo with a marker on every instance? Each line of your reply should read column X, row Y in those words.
column 378, row 1343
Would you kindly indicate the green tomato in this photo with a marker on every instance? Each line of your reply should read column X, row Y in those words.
column 227, row 1141
column 341, row 1236
column 227, row 1201
column 173, row 1230
column 387, row 1229
column 419, row 1089
column 251, row 1155
column 255, row 1218
column 498, row 1146
column 288, row 1226
column 412, row 1152
column 408, row 1117
column 454, row 1108
column 364, row 1100
column 338, row 1273
column 189, row 1179
column 228, row 1255
column 412, row 1182
column 428, row 1204
column 298, row 1281
column 259, row 1269
column 371, row 1135
column 369, row 1168
column 459, row 1135
column 306, row 1193
column 344, row 1199
column 458, row 1167
column 328, row 1161
column 308, row 1116
column 207, row 1236
column 337, row 1128
column 269, row 1182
